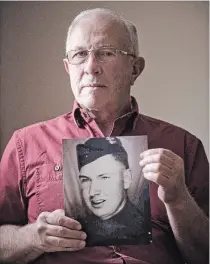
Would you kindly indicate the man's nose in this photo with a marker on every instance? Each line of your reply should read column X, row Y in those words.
column 95, row 188
column 92, row 65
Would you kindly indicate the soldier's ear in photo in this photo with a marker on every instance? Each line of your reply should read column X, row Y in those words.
column 127, row 178
column 138, row 67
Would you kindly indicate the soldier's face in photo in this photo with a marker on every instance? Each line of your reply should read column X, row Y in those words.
column 104, row 183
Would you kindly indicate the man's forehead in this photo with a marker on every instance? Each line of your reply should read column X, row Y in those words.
column 101, row 29
column 100, row 165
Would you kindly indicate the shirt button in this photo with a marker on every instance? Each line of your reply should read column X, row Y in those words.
column 57, row 167
column 118, row 249
column 115, row 255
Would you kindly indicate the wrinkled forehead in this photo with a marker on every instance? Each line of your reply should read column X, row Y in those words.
column 98, row 30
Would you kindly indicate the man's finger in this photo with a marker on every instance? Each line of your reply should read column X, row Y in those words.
column 157, row 158
column 160, row 151
column 71, row 249
column 61, row 220
column 60, row 231
column 160, row 179
column 157, row 168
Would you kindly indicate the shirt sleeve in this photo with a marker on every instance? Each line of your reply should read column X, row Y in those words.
column 12, row 179
column 197, row 172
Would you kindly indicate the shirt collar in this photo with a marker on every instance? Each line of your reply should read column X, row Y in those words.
column 81, row 116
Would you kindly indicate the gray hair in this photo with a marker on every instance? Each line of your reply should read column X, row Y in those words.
column 129, row 26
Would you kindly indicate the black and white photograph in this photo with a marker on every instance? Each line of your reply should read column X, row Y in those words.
column 105, row 190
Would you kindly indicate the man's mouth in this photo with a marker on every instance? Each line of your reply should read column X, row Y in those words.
column 97, row 203
column 94, row 85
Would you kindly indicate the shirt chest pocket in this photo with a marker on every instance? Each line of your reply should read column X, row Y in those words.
column 49, row 187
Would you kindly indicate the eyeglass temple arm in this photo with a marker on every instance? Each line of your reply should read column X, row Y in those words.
column 126, row 53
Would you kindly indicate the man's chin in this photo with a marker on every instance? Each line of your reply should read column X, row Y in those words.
column 105, row 217
column 91, row 104
column 102, row 215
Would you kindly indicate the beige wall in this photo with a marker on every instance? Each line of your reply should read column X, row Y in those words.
column 173, row 39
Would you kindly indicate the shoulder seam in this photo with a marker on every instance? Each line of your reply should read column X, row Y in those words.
column 21, row 161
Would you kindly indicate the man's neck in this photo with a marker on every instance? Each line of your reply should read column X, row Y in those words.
column 106, row 118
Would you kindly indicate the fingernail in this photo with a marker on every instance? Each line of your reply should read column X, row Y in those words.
column 82, row 244
column 78, row 226
column 141, row 163
column 83, row 236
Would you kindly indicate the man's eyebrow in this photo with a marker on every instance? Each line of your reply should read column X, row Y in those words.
column 83, row 176
column 97, row 47
column 78, row 48
column 103, row 174
column 106, row 46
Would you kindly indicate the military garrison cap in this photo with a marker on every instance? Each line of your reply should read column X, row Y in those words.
column 95, row 148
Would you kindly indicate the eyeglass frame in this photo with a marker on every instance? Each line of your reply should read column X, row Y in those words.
column 101, row 48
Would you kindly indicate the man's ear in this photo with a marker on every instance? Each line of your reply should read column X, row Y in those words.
column 138, row 67
column 66, row 65
column 127, row 178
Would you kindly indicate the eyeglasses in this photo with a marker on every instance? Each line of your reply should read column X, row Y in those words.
column 76, row 57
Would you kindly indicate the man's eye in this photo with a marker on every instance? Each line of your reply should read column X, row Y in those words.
column 105, row 177
column 80, row 54
column 84, row 180
column 106, row 53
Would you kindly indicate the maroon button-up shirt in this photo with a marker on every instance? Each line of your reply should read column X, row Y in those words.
column 31, row 181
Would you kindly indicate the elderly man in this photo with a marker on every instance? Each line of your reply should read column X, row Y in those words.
column 103, row 63
column 105, row 177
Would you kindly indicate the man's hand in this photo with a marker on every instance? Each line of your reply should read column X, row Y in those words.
column 165, row 168
column 56, row 232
